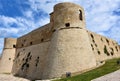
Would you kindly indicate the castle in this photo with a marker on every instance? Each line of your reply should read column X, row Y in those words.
column 62, row 46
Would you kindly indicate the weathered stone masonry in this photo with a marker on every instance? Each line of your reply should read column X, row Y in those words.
column 62, row 46
column 8, row 54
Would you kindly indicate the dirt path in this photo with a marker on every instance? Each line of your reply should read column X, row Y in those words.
column 115, row 76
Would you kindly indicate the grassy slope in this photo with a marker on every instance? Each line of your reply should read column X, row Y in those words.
column 108, row 67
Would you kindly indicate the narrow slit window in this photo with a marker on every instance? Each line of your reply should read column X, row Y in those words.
column 92, row 36
column 42, row 40
column 31, row 43
column 80, row 15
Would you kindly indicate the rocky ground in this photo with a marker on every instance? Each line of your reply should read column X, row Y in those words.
column 7, row 77
column 115, row 76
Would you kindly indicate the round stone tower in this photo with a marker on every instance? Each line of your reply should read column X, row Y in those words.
column 8, row 54
column 68, row 15
column 70, row 50
column 9, row 43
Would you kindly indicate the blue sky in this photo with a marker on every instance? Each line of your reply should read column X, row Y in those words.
column 18, row 17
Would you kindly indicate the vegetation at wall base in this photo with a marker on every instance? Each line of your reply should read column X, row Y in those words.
column 110, row 66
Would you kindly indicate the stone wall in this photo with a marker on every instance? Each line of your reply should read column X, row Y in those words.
column 8, row 54
column 30, row 61
column 68, row 14
column 31, row 52
column 42, row 34
column 103, row 48
column 68, row 53
column 64, row 45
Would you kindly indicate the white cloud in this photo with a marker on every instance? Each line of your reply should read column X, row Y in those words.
column 42, row 22
column 8, row 30
column 6, row 20
column 100, row 17
column 28, row 14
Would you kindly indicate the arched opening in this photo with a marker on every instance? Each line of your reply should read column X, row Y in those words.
column 42, row 40
column 31, row 43
column 80, row 15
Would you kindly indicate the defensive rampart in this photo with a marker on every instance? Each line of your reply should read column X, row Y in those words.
column 62, row 47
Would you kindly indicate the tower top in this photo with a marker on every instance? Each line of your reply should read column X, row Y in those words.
column 66, row 5
column 68, row 15
column 9, row 43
